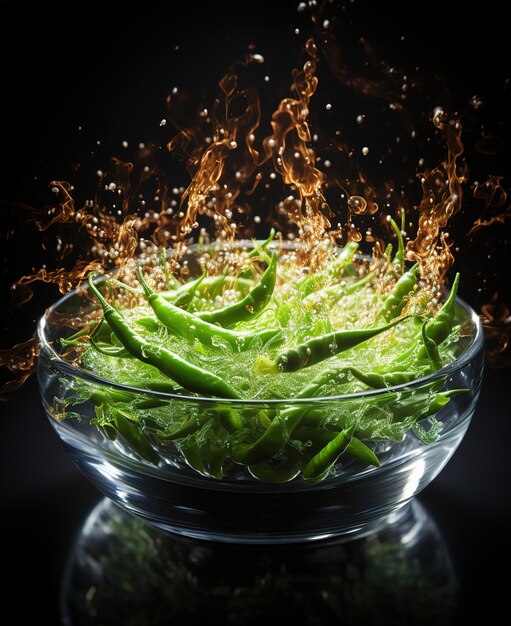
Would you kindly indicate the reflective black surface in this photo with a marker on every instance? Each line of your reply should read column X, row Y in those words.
column 122, row 571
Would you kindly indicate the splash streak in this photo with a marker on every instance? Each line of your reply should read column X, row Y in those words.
column 295, row 159
column 441, row 200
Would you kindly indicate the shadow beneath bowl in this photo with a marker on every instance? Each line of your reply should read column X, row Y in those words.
column 122, row 571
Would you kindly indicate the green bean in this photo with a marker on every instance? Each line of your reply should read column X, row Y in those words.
column 249, row 306
column 318, row 349
column 184, row 373
column 189, row 326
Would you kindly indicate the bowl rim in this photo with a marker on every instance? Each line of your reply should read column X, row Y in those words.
column 459, row 363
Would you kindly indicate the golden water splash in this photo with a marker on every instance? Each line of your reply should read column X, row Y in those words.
column 295, row 159
column 496, row 320
column 441, row 200
column 222, row 168
column 494, row 197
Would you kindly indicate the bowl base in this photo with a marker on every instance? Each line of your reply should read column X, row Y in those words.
column 402, row 574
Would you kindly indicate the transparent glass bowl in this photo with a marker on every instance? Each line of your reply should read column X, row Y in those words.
column 354, row 499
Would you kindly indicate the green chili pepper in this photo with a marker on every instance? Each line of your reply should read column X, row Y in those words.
column 249, row 306
column 439, row 328
column 184, row 373
column 229, row 419
column 210, row 286
column 318, row 349
column 320, row 465
column 416, row 409
column 358, row 450
column 395, row 302
column 193, row 456
column 278, row 472
column 380, row 381
column 214, row 455
column 264, row 245
column 336, row 292
column 398, row 263
column 431, row 349
column 184, row 298
column 191, row 425
column 101, row 341
column 320, row 437
column 124, row 397
column 189, row 326
column 104, row 424
column 280, row 429
column 131, row 433
column 149, row 323
column 308, row 284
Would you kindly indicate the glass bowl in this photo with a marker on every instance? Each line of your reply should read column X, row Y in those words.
column 176, row 494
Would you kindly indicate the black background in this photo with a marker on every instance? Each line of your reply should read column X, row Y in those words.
column 108, row 67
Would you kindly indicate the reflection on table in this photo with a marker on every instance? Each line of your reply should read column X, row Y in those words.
column 122, row 571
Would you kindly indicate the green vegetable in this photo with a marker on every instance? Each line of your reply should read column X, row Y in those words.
column 396, row 300
column 249, row 306
column 190, row 326
column 173, row 366
column 318, row 349
column 286, row 336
